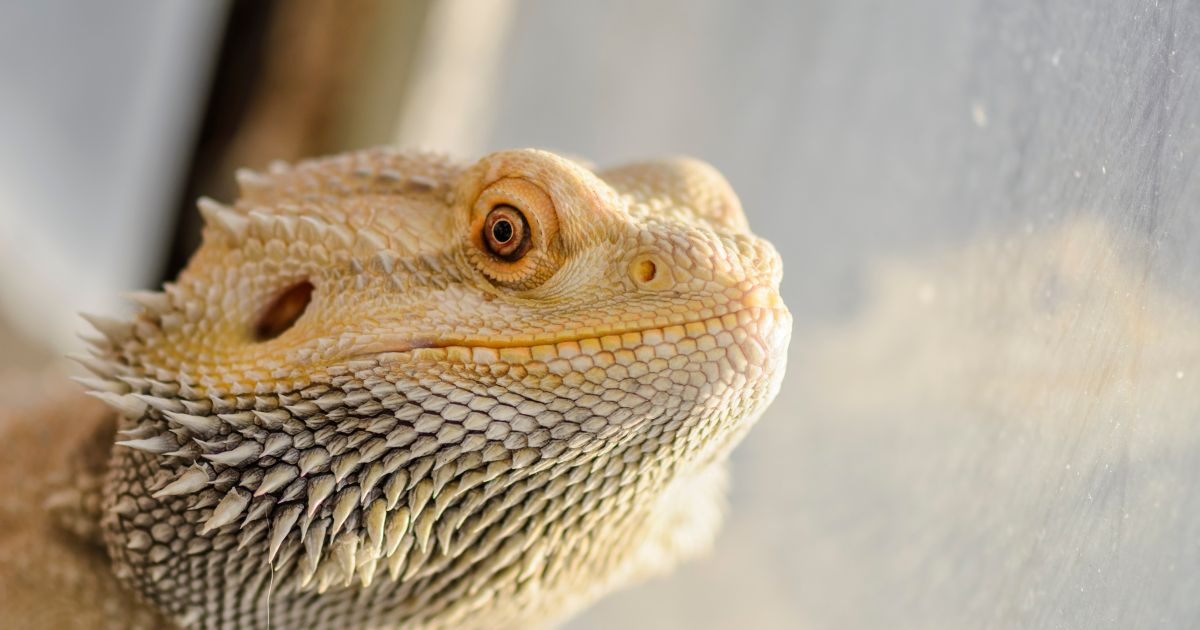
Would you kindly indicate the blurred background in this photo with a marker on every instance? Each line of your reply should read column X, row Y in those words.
column 988, row 211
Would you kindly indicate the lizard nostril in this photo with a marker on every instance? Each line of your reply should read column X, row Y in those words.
column 283, row 312
column 645, row 270
column 650, row 272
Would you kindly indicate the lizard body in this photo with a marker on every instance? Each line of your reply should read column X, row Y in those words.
column 391, row 390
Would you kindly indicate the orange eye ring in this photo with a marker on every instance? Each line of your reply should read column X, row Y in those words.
column 506, row 233
column 514, row 232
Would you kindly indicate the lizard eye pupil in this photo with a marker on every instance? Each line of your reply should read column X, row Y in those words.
column 506, row 233
column 502, row 231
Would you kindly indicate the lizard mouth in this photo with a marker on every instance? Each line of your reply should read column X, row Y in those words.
column 754, row 323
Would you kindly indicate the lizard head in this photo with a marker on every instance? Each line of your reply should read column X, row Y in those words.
column 389, row 378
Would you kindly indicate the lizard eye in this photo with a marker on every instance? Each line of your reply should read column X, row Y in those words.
column 506, row 233
column 514, row 230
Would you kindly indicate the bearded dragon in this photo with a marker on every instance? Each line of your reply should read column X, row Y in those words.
column 391, row 390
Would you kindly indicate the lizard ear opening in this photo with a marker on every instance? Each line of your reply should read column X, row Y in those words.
column 283, row 311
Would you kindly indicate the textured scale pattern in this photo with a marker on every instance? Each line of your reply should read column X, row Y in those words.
column 440, row 438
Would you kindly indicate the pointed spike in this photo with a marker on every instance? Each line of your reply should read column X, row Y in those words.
column 394, row 487
column 246, row 452
column 260, row 507
column 277, row 477
column 441, row 477
column 152, row 301
column 228, row 509
column 190, row 481
column 315, row 541
column 312, row 459
column 205, row 426
column 126, row 404
column 319, row 489
column 398, row 557
column 366, row 568
column 343, row 505
column 313, row 229
column 445, row 532
column 419, row 496
column 281, row 525
column 136, row 383
column 103, row 369
column 369, row 478
column 397, row 526
column 344, row 550
column 249, row 534
column 251, row 181
column 223, row 217
column 277, row 444
column 376, row 518
column 139, row 432
column 101, row 385
column 422, row 527
column 156, row 445
column 239, row 420
column 385, row 261
column 271, row 419
column 197, row 407
column 159, row 403
column 345, row 464
column 116, row 330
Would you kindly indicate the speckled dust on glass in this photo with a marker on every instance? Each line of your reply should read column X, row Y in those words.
column 441, row 439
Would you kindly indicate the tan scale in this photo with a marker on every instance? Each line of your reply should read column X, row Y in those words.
column 391, row 390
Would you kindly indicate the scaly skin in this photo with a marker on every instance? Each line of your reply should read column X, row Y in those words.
column 463, row 428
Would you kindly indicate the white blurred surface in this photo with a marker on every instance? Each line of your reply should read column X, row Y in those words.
column 100, row 102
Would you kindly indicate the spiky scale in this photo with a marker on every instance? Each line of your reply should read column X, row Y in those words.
column 191, row 480
column 277, row 476
column 156, row 445
column 281, row 526
column 312, row 459
column 116, row 330
column 205, row 426
column 314, row 544
column 319, row 489
column 223, row 218
column 375, row 520
column 159, row 403
column 397, row 526
column 152, row 301
column 345, row 464
column 244, row 453
column 345, row 503
column 227, row 510
column 422, row 527
column 419, row 496
column 344, row 549
column 126, row 404
column 101, row 385
column 103, row 369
